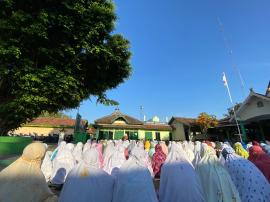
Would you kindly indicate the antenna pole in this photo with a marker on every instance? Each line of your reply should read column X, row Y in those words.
column 229, row 50
column 141, row 113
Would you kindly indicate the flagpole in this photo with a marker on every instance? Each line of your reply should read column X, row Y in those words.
column 229, row 92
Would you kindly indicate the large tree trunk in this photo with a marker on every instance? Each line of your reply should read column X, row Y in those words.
column 4, row 129
column 7, row 125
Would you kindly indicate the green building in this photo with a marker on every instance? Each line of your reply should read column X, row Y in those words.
column 117, row 124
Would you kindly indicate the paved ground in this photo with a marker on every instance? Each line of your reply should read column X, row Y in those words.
column 5, row 161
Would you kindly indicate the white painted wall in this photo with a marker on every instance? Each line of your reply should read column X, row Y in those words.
column 252, row 110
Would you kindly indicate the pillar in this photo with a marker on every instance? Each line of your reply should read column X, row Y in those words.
column 227, row 135
column 243, row 131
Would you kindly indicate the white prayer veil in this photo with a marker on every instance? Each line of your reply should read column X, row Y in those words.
column 63, row 164
column 177, row 173
column 46, row 166
column 77, row 152
column 134, row 183
column 216, row 181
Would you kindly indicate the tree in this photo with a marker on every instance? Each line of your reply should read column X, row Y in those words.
column 206, row 121
column 54, row 54
column 230, row 113
column 54, row 115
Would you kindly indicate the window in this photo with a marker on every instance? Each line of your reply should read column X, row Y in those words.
column 259, row 104
column 110, row 135
column 170, row 136
column 132, row 135
column 100, row 135
column 118, row 134
column 105, row 135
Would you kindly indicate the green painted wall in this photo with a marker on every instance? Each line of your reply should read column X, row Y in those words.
column 164, row 135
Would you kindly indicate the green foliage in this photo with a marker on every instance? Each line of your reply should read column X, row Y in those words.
column 230, row 113
column 54, row 115
column 54, row 54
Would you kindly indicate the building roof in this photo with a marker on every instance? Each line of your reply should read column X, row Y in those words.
column 225, row 122
column 53, row 122
column 268, row 90
column 116, row 115
column 164, row 127
column 186, row 121
column 247, row 100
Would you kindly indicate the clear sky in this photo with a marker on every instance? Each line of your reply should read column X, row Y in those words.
column 179, row 54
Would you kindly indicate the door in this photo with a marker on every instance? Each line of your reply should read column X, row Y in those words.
column 158, row 136
column 148, row 136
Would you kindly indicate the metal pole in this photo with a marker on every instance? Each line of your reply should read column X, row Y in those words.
column 229, row 92
column 229, row 50
column 237, row 125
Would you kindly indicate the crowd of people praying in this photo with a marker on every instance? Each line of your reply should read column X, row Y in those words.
column 140, row 171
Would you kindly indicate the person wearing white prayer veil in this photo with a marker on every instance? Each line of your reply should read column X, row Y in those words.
column 142, row 158
column 77, row 152
column 179, row 181
column 131, row 145
column 189, row 152
column 46, row 166
column 169, row 146
column 23, row 181
column 58, row 149
column 197, row 153
column 133, row 181
column 70, row 146
column 140, row 145
column 108, row 152
column 248, row 179
column 191, row 146
column 215, row 179
column 87, row 182
column 63, row 164
column 126, row 143
column 117, row 159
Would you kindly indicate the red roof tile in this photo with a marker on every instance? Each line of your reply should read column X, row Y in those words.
column 53, row 121
column 188, row 121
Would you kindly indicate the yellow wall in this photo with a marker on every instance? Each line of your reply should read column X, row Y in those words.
column 42, row 130
column 164, row 135
column 141, row 134
column 119, row 122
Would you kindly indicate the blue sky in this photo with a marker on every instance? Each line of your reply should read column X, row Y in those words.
column 178, row 56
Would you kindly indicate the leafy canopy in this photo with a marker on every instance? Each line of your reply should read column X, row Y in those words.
column 206, row 121
column 54, row 115
column 56, row 53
